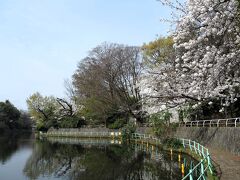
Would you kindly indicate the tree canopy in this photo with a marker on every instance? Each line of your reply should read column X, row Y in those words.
column 12, row 118
column 49, row 111
column 206, row 64
column 106, row 83
column 158, row 51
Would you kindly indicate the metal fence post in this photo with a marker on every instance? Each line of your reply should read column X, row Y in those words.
column 199, row 151
column 203, row 152
column 189, row 142
column 202, row 170
column 209, row 163
column 183, row 143
column 194, row 145
column 190, row 174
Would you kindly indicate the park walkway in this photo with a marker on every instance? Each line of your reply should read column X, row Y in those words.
column 229, row 164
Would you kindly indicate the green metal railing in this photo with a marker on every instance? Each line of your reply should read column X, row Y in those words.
column 205, row 162
column 204, row 165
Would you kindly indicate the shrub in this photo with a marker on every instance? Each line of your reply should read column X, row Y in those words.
column 160, row 122
column 119, row 123
column 172, row 143
column 128, row 130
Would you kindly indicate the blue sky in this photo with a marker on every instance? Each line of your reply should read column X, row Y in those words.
column 41, row 41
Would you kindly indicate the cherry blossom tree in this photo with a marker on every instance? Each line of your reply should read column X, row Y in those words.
column 207, row 42
column 207, row 63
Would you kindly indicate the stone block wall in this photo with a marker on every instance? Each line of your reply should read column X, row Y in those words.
column 222, row 138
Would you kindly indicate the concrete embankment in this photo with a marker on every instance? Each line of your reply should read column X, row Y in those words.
column 223, row 144
column 227, row 139
column 98, row 129
column 84, row 132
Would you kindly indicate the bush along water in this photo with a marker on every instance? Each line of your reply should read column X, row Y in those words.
column 162, row 128
column 172, row 143
column 160, row 123
column 128, row 130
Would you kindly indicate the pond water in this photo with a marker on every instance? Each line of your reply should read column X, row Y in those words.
column 22, row 157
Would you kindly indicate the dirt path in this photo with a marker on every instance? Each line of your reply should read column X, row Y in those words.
column 229, row 164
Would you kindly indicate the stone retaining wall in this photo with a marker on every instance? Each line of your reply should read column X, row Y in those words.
column 223, row 138
column 82, row 130
column 142, row 130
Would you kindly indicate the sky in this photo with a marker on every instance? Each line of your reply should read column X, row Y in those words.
column 42, row 41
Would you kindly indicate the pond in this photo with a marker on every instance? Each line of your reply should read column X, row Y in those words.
column 22, row 157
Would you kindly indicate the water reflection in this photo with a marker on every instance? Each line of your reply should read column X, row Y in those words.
column 11, row 142
column 23, row 158
column 100, row 159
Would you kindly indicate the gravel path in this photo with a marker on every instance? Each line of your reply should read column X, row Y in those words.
column 229, row 164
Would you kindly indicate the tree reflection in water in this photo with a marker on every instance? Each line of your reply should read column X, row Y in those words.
column 11, row 142
column 99, row 162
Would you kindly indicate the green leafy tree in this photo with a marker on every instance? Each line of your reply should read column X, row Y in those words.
column 158, row 51
column 9, row 115
column 160, row 122
column 50, row 112
column 11, row 118
column 43, row 111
